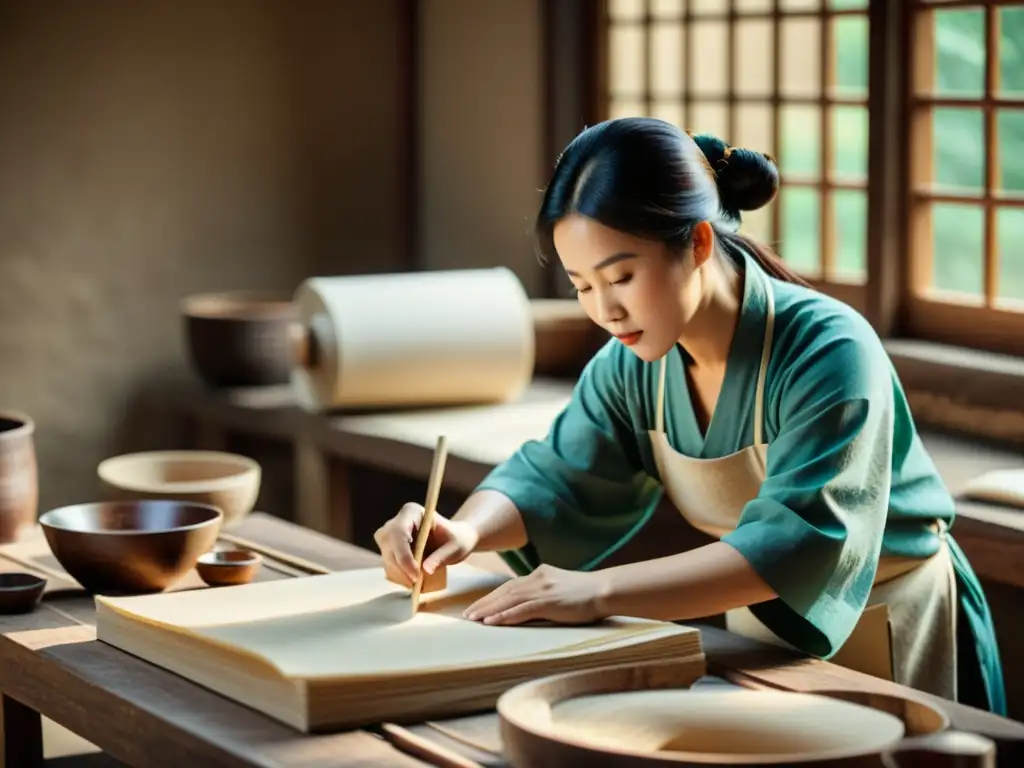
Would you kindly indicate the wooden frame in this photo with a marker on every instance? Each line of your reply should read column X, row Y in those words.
column 894, row 298
column 827, row 181
column 963, row 320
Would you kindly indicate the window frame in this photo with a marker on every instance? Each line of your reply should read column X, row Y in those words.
column 888, row 297
column 986, row 327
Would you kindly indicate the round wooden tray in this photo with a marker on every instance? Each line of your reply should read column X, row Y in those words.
column 646, row 715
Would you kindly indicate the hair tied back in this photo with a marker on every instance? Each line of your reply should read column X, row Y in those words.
column 746, row 180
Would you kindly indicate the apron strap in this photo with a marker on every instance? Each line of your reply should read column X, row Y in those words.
column 659, row 413
column 762, row 374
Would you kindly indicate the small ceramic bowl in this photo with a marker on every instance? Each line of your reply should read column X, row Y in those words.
column 20, row 592
column 228, row 567
column 229, row 481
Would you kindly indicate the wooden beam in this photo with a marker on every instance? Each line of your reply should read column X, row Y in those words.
column 569, row 35
column 888, row 169
column 409, row 129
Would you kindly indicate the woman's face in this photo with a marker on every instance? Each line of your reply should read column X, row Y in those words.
column 636, row 289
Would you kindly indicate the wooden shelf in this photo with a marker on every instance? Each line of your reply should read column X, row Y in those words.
column 332, row 450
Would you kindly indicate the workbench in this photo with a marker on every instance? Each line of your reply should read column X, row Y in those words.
column 52, row 665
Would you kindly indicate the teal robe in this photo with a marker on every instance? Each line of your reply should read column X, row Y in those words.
column 848, row 478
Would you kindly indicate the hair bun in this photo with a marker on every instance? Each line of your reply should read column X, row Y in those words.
column 746, row 180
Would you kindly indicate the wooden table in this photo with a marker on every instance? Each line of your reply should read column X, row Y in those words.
column 52, row 665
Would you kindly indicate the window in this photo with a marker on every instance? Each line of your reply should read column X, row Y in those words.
column 787, row 78
column 966, row 236
column 790, row 77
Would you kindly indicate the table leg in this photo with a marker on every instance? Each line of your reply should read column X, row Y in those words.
column 206, row 436
column 339, row 499
column 22, row 735
column 312, row 498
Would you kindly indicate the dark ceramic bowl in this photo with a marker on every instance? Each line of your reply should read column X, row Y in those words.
column 130, row 547
column 240, row 338
column 20, row 592
column 227, row 567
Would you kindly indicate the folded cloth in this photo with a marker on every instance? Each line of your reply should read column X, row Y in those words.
column 999, row 486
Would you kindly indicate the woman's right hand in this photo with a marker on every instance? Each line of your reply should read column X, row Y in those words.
column 449, row 542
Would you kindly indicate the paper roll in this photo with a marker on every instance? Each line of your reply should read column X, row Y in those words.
column 447, row 337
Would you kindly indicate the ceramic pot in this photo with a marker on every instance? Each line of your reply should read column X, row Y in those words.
column 19, row 475
column 240, row 338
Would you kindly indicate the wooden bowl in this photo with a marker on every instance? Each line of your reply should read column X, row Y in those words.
column 130, row 547
column 20, row 592
column 240, row 338
column 19, row 475
column 225, row 480
column 229, row 566
column 645, row 715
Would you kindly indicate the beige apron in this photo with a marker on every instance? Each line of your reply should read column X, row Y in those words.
column 907, row 632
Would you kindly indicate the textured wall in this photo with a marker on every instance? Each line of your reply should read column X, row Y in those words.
column 149, row 150
column 481, row 136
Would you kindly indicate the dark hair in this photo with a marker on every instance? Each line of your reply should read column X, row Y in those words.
column 647, row 177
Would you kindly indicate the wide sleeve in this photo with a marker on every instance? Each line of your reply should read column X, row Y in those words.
column 814, row 531
column 582, row 490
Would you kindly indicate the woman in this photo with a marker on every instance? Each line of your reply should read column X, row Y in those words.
column 768, row 413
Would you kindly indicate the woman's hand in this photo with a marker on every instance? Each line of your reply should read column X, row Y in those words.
column 553, row 594
column 449, row 542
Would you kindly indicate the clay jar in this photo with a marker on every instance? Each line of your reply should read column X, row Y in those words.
column 19, row 478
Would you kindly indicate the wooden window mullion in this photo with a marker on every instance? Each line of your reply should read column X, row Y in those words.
column 946, row 5
column 689, row 60
column 991, row 171
column 826, row 84
column 922, row 79
column 730, row 72
column 601, row 88
column 776, row 150
column 954, row 198
column 793, row 101
column 647, row 97
column 955, row 102
column 773, row 13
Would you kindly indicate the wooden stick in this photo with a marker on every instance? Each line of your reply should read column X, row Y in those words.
column 427, row 523
column 423, row 748
column 461, row 738
column 275, row 554
column 39, row 569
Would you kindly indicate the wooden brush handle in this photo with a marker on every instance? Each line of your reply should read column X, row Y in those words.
column 429, row 508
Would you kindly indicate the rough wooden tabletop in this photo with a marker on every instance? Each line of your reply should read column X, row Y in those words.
column 51, row 662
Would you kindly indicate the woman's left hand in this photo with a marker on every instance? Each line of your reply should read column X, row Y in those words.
column 548, row 593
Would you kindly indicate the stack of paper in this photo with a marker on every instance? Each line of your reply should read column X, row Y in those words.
column 343, row 649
